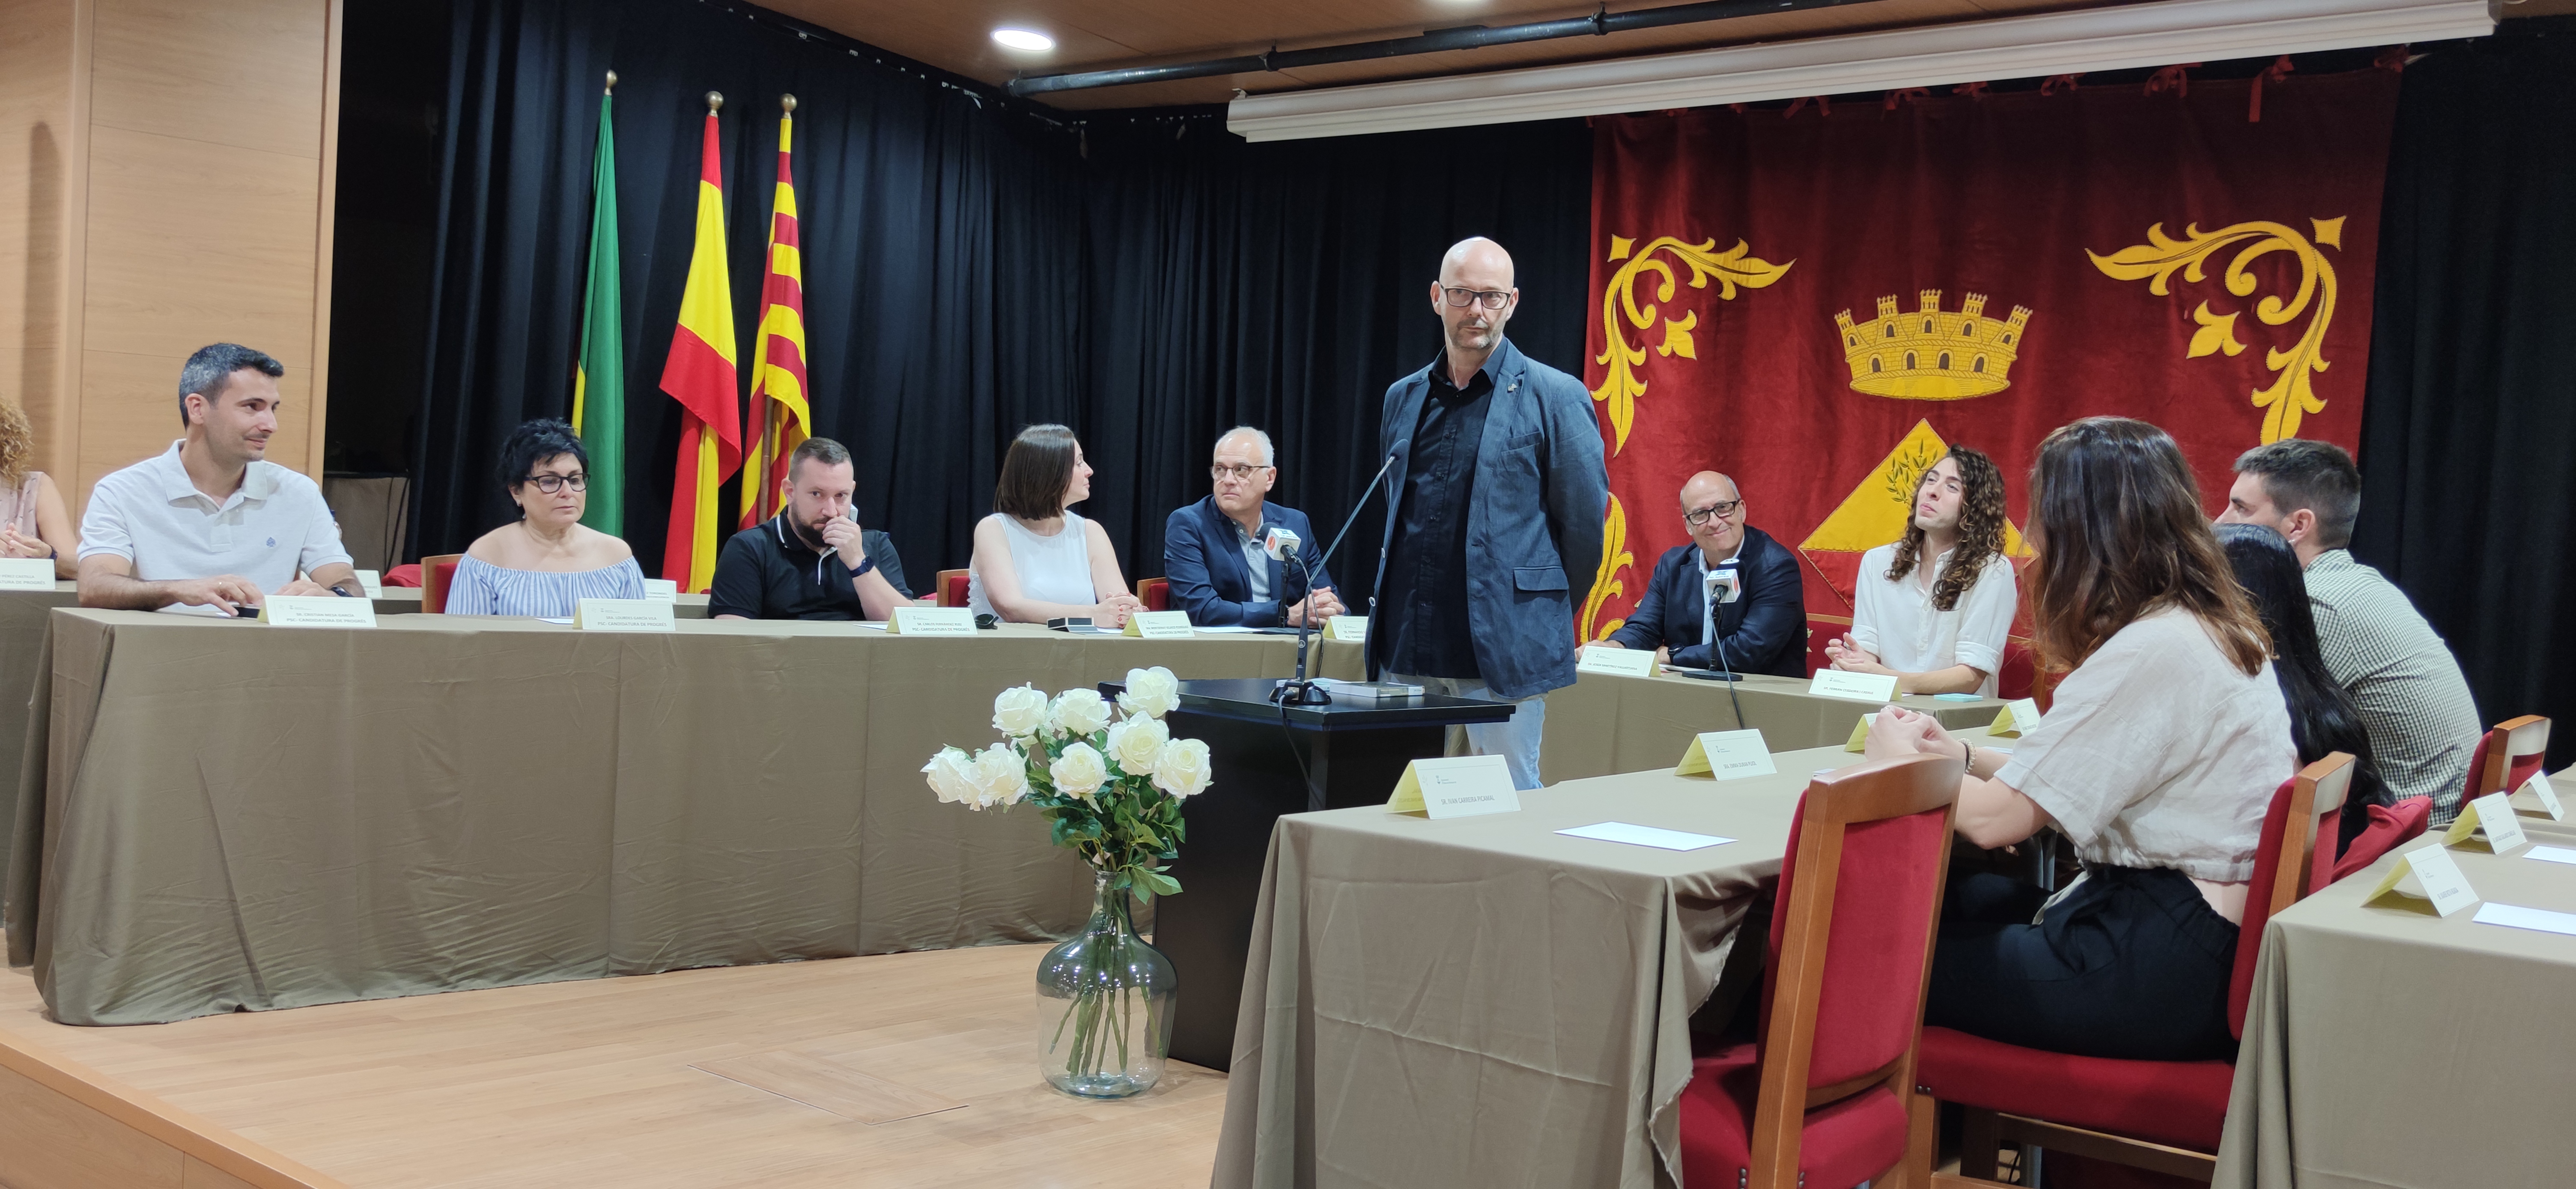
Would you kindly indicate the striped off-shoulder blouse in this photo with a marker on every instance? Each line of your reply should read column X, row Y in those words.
column 481, row 588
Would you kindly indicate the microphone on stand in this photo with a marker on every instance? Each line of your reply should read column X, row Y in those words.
column 1281, row 543
column 1724, row 586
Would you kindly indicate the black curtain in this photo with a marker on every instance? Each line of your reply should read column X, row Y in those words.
column 2468, row 495
column 971, row 265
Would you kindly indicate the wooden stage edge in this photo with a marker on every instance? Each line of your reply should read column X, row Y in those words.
column 896, row 1069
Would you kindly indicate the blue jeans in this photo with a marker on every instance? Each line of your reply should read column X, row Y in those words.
column 1516, row 739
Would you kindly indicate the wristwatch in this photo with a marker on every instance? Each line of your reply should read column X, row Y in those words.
column 866, row 563
column 337, row 591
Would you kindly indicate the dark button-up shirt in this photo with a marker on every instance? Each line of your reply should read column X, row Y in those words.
column 767, row 572
column 1425, row 600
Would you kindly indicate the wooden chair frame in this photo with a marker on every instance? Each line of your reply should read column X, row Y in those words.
column 2316, row 797
column 939, row 587
column 2524, row 736
column 433, row 589
column 1868, row 792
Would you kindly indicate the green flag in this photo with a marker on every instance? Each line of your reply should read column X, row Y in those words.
column 599, row 379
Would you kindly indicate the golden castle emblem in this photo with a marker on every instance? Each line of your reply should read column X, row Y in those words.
column 1930, row 354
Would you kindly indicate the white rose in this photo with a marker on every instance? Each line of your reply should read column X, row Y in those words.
column 948, row 775
column 998, row 776
column 1078, row 712
column 1078, row 772
column 1182, row 769
column 1151, row 692
column 1137, row 745
column 1019, row 712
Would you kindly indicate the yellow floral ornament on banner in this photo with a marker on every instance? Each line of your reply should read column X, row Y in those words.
column 1615, row 556
column 2291, row 396
column 1620, row 385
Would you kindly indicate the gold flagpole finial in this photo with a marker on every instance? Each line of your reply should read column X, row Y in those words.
column 787, row 103
column 612, row 82
column 715, row 101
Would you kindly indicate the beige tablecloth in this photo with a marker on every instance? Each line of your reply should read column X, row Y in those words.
column 2389, row 1047
column 1482, row 1002
column 1604, row 724
column 22, row 650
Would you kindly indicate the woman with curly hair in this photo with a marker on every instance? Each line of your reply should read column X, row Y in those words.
column 1933, row 609
column 33, row 522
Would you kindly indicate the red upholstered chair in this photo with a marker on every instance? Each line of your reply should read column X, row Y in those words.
column 436, row 571
column 2162, row 1116
column 1823, row 630
column 406, row 574
column 2507, row 756
column 2389, row 828
column 1823, row 1099
column 2020, row 672
column 1155, row 593
column 950, row 589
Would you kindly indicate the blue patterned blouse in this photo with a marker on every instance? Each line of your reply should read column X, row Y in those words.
column 481, row 588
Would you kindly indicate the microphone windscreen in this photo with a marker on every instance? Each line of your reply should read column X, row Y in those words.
column 1279, row 542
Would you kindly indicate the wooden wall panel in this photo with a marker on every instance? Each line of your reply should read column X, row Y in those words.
column 43, row 47
column 245, row 73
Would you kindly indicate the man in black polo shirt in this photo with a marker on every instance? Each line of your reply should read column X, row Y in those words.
column 812, row 560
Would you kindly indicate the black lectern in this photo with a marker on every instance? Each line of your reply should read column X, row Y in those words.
column 1355, row 750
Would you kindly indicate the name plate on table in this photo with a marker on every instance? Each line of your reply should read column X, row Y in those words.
column 1620, row 662
column 317, row 611
column 26, row 573
column 1860, row 734
column 1353, row 628
column 1459, row 786
column 1160, row 625
column 2019, row 717
column 372, row 582
column 1727, row 755
column 1861, row 687
column 2540, row 789
column 623, row 615
column 664, row 589
column 2490, row 816
column 2437, row 872
column 932, row 621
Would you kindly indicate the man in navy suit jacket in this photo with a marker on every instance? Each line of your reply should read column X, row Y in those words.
column 1762, row 623
column 1494, row 510
column 1213, row 555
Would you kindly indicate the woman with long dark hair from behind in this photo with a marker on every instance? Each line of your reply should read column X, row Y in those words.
column 2322, row 717
column 2157, row 759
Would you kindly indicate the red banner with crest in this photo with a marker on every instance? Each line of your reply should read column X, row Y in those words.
column 1818, row 302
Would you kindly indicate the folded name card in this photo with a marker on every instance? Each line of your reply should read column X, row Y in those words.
column 2488, row 819
column 623, row 615
column 1863, row 687
column 1160, row 625
column 1726, row 755
column 1458, row 786
column 664, row 589
column 1353, row 628
column 26, row 573
column 1860, row 734
column 2019, row 717
column 372, row 582
column 2436, row 872
column 317, row 611
column 1619, row 662
column 2547, row 794
column 932, row 621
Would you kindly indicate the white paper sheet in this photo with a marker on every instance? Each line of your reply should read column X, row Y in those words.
column 2551, row 854
column 1635, row 835
column 2515, row 916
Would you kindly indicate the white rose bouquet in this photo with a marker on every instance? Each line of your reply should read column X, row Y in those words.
column 1110, row 784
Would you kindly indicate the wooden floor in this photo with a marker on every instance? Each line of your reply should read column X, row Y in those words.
column 595, row 1083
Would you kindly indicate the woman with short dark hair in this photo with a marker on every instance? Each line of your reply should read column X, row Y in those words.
column 547, row 561
column 2157, row 759
column 1034, row 559
column 2323, row 719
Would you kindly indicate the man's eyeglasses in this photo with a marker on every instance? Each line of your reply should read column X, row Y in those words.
column 1699, row 516
column 551, row 484
column 1241, row 470
column 1460, row 297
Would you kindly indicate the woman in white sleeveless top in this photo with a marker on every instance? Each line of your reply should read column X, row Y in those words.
column 33, row 522
column 1034, row 559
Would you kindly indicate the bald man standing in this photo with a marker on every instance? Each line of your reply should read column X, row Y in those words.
column 1493, row 534
column 1732, row 585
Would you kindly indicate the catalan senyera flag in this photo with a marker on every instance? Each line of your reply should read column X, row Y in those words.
column 700, row 375
column 599, row 379
column 780, row 417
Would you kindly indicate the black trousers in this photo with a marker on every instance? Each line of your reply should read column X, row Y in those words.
column 2132, row 964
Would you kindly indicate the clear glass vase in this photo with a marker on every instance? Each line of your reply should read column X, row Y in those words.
column 1105, row 1001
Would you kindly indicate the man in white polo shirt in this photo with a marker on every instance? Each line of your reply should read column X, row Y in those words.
column 211, row 523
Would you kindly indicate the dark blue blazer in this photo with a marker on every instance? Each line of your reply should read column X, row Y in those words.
column 1765, row 630
column 1209, row 578
column 1534, row 519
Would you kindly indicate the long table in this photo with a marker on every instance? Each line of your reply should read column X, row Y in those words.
column 1484, row 1002
column 1605, row 724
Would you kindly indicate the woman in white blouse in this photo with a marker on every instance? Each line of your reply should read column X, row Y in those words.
column 1034, row 559
column 1937, row 625
column 2157, row 759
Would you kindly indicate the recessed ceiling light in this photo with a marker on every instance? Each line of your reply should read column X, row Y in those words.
column 1027, row 41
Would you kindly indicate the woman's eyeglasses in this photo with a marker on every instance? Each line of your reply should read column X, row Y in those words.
column 551, row 484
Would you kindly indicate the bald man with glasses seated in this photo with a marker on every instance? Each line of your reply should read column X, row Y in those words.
column 1213, row 554
column 1732, row 585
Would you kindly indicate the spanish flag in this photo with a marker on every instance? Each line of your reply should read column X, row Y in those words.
column 780, row 418
column 700, row 375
